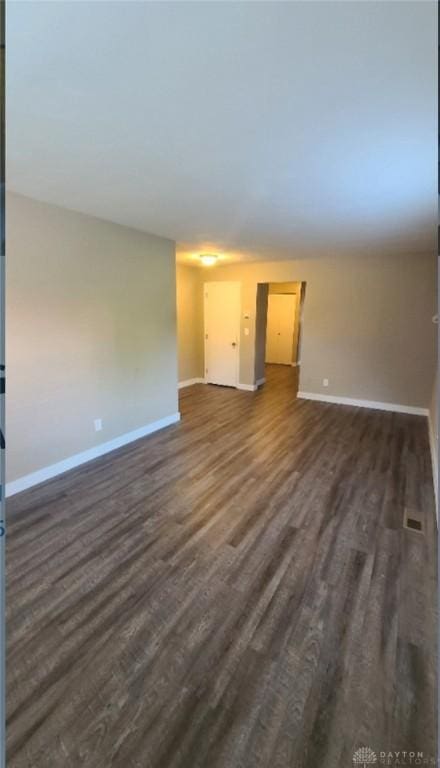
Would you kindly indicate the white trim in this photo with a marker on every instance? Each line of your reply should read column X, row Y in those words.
column 46, row 473
column 416, row 410
column 434, row 459
column 259, row 382
column 247, row 387
column 190, row 382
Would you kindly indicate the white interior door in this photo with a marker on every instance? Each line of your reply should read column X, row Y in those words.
column 222, row 332
column 280, row 328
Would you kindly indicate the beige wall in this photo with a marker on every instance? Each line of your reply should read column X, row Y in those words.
column 284, row 287
column 90, row 332
column 366, row 323
column 190, row 322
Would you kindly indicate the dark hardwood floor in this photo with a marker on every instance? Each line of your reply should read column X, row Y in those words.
column 236, row 591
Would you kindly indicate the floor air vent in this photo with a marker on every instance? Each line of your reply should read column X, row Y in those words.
column 412, row 522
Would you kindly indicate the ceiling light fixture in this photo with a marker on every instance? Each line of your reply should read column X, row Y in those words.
column 208, row 259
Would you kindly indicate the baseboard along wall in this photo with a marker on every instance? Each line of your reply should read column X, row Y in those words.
column 46, row 473
column 374, row 404
column 190, row 382
column 395, row 407
column 245, row 387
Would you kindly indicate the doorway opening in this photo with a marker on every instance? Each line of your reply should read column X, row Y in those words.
column 278, row 333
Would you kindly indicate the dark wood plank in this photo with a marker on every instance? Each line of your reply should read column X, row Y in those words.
column 235, row 591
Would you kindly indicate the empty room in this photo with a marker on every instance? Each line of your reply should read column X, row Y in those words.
column 221, row 392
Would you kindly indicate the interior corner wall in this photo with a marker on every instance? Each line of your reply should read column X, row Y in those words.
column 189, row 284
column 434, row 432
column 366, row 326
column 296, row 327
column 260, row 329
column 90, row 333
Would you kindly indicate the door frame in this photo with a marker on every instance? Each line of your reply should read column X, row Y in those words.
column 237, row 364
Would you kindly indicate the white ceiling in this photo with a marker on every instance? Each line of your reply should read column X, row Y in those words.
column 253, row 129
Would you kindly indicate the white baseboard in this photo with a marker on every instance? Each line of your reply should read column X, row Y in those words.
column 190, row 382
column 434, row 458
column 34, row 478
column 364, row 403
column 245, row 387
column 259, row 382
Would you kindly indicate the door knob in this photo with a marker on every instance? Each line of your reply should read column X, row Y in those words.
column 234, row 344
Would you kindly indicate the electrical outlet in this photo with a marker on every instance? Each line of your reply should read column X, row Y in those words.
column 98, row 425
column 246, row 331
column 325, row 382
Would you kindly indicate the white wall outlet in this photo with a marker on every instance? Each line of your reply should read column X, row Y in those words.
column 325, row 382
column 98, row 425
column 246, row 331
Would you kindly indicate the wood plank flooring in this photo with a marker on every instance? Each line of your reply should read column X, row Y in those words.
column 236, row 591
